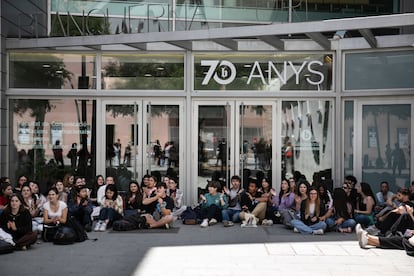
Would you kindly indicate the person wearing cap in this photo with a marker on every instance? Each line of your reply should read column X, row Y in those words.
column 162, row 216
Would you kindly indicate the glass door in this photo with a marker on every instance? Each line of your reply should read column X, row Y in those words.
column 385, row 136
column 122, row 141
column 162, row 139
column 254, row 135
column 142, row 137
column 233, row 138
column 214, row 141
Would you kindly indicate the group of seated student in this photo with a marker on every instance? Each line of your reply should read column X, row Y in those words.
column 304, row 208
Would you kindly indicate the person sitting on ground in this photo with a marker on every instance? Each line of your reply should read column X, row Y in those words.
column 111, row 208
column 364, row 212
column 352, row 194
column 162, row 217
column 80, row 207
column 5, row 191
column 285, row 200
column 230, row 215
column 385, row 222
column 21, row 180
column 383, row 196
column 100, row 194
column 62, row 195
column 253, row 205
column 99, row 182
column 394, row 241
column 312, row 214
column 267, row 191
column 133, row 199
column 55, row 211
column 176, row 195
column 31, row 203
column 325, row 196
column 342, row 219
column 149, row 201
column 17, row 221
column 289, row 214
column 40, row 198
column 212, row 203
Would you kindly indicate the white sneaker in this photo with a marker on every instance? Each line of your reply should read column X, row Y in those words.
column 97, row 226
column 295, row 230
column 358, row 230
column 318, row 232
column 362, row 237
column 102, row 228
column 212, row 221
column 204, row 223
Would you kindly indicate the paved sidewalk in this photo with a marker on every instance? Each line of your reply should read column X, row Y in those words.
column 211, row 251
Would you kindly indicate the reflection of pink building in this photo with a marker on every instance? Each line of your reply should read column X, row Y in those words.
column 61, row 123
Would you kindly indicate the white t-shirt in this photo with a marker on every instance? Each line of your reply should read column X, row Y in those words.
column 58, row 213
column 100, row 193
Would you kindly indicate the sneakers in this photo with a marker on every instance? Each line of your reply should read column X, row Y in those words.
column 98, row 226
column 249, row 222
column 267, row 222
column 102, row 227
column 204, row 223
column 212, row 221
column 295, row 230
column 318, row 232
column 228, row 223
column 362, row 236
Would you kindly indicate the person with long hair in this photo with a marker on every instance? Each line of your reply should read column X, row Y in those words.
column 312, row 214
column 111, row 208
column 133, row 199
column 287, row 215
column 267, row 191
column 364, row 212
column 5, row 191
column 62, row 194
column 68, row 181
column 17, row 221
column 285, row 199
column 342, row 220
column 99, row 182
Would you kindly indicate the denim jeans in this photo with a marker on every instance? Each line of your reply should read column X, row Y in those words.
column 347, row 223
column 234, row 214
column 308, row 229
column 364, row 220
column 110, row 214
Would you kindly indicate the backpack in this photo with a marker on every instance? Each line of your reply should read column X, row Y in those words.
column 189, row 216
column 129, row 223
column 6, row 247
column 64, row 235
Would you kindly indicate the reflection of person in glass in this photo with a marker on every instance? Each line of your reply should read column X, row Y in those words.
column 398, row 159
column 388, row 155
column 127, row 155
column 222, row 155
column 289, row 157
column 72, row 155
column 58, row 153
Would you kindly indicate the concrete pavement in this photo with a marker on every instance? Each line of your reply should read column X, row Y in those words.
column 265, row 250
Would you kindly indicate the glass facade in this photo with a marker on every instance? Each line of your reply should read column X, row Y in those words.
column 52, row 70
column 52, row 137
column 112, row 17
column 143, row 71
column 266, row 72
column 379, row 70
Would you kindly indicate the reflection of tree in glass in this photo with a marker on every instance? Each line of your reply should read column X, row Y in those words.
column 402, row 112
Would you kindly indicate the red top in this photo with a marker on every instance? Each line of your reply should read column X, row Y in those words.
column 4, row 200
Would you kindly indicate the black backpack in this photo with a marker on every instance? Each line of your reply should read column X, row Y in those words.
column 129, row 223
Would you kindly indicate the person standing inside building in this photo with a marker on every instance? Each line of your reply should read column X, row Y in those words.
column 72, row 155
column 58, row 154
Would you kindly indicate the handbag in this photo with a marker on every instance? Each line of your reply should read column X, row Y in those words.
column 49, row 232
column 64, row 235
